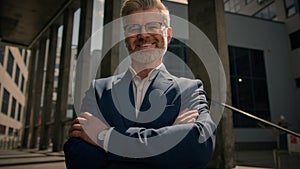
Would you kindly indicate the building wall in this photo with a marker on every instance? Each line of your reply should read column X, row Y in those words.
column 282, row 64
column 7, row 82
column 272, row 38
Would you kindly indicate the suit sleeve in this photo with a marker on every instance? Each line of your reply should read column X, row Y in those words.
column 178, row 146
column 80, row 154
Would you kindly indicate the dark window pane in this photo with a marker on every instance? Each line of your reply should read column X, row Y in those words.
column 242, row 62
column 25, row 57
column 13, row 108
column 22, row 83
column 245, row 95
column 248, row 85
column 19, row 112
column 242, row 121
column 21, row 51
column 261, row 94
column 295, row 39
column 10, row 131
column 5, row 101
column 234, row 91
column 258, row 63
column 17, row 75
column 232, row 60
column 2, row 52
column 297, row 82
column 2, row 129
column 10, row 64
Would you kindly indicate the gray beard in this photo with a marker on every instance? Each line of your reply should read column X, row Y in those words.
column 147, row 55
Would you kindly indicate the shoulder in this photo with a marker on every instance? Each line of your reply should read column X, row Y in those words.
column 106, row 82
column 182, row 81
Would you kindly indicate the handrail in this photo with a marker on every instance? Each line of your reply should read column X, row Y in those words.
column 261, row 120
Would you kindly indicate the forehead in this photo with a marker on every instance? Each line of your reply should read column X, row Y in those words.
column 144, row 16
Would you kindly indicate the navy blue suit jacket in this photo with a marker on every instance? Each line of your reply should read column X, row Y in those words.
column 149, row 140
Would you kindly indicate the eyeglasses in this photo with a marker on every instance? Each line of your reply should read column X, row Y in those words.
column 150, row 27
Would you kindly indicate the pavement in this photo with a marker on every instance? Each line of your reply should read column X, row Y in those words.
column 34, row 159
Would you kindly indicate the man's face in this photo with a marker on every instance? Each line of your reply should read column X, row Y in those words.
column 147, row 35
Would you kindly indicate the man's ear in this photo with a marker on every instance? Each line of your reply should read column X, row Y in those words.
column 169, row 34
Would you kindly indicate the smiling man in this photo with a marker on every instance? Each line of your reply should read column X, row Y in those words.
column 144, row 118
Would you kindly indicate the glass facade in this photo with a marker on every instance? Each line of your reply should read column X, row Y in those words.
column 2, row 52
column 5, row 101
column 10, row 63
column 291, row 7
column 248, row 85
column 268, row 12
column 13, row 108
column 17, row 75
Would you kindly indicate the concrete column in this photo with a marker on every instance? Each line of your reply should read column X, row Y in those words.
column 208, row 15
column 38, row 80
column 29, row 99
column 83, row 78
column 63, row 82
column 47, row 101
column 280, row 10
column 111, row 59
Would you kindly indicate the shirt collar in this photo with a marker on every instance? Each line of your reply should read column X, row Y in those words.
column 151, row 74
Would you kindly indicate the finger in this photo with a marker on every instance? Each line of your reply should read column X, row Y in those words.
column 85, row 115
column 76, row 120
column 82, row 120
column 76, row 133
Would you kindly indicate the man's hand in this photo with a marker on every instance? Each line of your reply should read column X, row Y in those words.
column 86, row 126
column 186, row 116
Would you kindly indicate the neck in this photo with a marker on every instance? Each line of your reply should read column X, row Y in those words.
column 138, row 67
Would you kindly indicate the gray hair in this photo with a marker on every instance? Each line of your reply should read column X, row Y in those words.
column 130, row 6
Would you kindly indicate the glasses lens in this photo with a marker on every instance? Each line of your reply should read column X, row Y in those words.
column 151, row 27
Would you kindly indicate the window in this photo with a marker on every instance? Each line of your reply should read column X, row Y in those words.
column 291, row 7
column 19, row 112
column 297, row 82
column 248, row 85
column 10, row 64
column 21, row 51
column 5, row 101
column 232, row 5
column 248, row 1
column 295, row 39
column 268, row 12
column 22, row 87
column 17, row 75
column 25, row 57
column 2, row 129
column 2, row 52
column 10, row 131
column 13, row 108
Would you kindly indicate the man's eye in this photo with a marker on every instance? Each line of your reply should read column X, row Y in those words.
column 133, row 28
column 153, row 26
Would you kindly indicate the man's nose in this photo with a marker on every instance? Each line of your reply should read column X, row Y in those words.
column 143, row 33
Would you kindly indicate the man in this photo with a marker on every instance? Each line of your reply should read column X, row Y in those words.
column 144, row 118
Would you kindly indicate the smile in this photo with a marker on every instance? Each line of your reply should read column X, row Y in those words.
column 146, row 46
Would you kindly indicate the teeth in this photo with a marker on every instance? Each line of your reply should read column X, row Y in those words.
column 146, row 45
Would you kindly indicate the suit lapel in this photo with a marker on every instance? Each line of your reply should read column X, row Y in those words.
column 123, row 98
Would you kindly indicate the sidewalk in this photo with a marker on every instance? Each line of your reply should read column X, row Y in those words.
column 31, row 159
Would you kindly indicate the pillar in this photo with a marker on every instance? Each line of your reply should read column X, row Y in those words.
column 208, row 16
column 38, row 80
column 111, row 58
column 49, row 81
column 29, row 97
column 83, row 78
column 63, row 82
